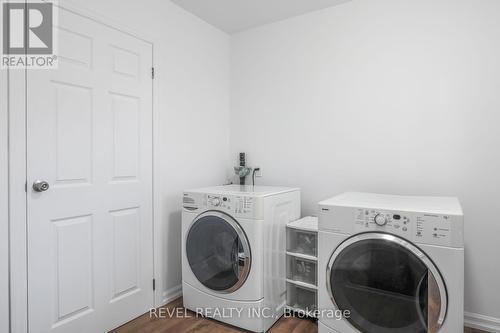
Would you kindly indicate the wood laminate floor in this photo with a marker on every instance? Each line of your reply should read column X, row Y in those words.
column 179, row 320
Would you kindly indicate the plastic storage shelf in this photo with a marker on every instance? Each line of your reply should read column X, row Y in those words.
column 302, row 270
column 302, row 241
column 301, row 298
column 301, row 265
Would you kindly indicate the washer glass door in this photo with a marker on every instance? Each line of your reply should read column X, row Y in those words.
column 387, row 284
column 218, row 252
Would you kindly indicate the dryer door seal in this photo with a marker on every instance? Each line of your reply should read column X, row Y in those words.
column 387, row 284
column 218, row 252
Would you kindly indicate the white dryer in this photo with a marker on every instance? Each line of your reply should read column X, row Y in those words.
column 233, row 252
column 396, row 263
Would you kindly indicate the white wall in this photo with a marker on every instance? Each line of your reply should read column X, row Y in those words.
column 192, row 145
column 392, row 96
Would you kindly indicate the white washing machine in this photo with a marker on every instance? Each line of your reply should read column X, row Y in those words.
column 233, row 252
column 396, row 263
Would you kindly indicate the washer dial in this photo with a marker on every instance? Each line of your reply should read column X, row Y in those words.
column 380, row 220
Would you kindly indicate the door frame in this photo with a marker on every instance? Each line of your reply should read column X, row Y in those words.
column 16, row 138
column 4, row 204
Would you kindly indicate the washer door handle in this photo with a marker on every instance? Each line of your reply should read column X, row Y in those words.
column 435, row 318
column 242, row 260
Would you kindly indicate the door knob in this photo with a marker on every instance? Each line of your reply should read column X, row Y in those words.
column 40, row 186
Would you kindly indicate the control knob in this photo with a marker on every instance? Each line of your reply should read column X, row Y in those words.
column 380, row 220
column 216, row 202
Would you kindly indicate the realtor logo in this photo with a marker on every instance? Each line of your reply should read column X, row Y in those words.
column 28, row 34
column 27, row 28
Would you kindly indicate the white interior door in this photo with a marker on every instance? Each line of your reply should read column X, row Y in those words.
column 89, row 136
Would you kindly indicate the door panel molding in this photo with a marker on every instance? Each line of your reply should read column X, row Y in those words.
column 17, row 202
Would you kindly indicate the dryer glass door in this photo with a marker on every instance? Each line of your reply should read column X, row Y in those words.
column 218, row 252
column 387, row 284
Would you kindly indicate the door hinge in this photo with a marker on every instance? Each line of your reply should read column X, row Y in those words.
column 26, row 187
column 152, row 72
column 154, row 284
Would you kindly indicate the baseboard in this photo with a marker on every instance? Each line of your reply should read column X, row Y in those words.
column 481, row 322
column 172, row 294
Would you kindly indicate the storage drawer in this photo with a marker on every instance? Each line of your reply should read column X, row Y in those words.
column 300, row 298
column 302, row 270
column 300, row 241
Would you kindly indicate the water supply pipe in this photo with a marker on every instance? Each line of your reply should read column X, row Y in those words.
column 242, row 170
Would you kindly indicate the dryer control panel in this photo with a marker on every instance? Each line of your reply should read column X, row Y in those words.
column 425, row 220
column 372, row 219
column 419, row 227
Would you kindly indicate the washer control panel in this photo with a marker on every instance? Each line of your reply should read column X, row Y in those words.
column 420, row 227
column 239, row 205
